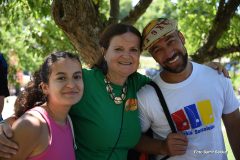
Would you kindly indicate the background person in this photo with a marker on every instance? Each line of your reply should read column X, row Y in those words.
column 4, row 92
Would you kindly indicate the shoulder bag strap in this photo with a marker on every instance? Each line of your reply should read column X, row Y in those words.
column 164, row 105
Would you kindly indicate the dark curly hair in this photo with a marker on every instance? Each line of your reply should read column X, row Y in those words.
column 32, row 94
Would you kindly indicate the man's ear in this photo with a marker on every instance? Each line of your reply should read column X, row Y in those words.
column 180, row 35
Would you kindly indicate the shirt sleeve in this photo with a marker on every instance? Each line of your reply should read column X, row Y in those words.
column 231, row 102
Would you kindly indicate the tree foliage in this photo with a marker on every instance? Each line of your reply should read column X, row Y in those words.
column 28, row 32
column 30, row 28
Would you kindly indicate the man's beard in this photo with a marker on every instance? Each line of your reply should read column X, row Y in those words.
column 180, row 67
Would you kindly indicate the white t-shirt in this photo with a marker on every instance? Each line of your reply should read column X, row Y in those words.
column 196, row 106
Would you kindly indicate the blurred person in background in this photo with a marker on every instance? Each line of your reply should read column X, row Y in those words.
column 4, row 92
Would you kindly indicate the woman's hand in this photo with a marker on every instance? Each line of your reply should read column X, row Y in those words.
column 7, row 147
column 219, row 67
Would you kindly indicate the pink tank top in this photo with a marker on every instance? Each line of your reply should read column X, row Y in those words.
column 61, row 140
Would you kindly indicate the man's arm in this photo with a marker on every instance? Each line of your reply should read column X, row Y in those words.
column 175, row 144
column 232, row 125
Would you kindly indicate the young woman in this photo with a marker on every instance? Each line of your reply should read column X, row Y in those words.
column 43, row 129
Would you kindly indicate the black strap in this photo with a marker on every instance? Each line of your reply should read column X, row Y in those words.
column 165, row 109
column 164, row 105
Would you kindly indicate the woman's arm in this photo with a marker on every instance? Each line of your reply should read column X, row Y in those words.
column 218, row 66
column 7, row 146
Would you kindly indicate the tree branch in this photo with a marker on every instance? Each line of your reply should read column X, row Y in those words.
column 96, row 5
column 136, row 12
column 217, row 53
column 221, row 5
column 220, row 25
column 114, row 11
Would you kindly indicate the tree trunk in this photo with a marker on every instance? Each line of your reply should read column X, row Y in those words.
column 80, row 22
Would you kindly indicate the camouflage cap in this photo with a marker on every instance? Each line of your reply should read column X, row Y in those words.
column 157, row 29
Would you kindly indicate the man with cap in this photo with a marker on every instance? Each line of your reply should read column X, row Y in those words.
column 197, row 98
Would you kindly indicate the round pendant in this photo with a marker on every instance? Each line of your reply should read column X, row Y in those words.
column 117, row 100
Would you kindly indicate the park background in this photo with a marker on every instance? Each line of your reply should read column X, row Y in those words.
column 31, row 29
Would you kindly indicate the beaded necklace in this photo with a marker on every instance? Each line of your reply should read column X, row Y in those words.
column 116, row 99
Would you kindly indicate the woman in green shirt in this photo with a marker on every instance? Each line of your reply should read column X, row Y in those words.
column 106, row 119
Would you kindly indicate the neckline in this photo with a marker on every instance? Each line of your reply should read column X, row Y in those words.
column 185, row 82
column 52, row 120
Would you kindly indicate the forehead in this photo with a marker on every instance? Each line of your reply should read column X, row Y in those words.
column 126, row 38
column 66, row 65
